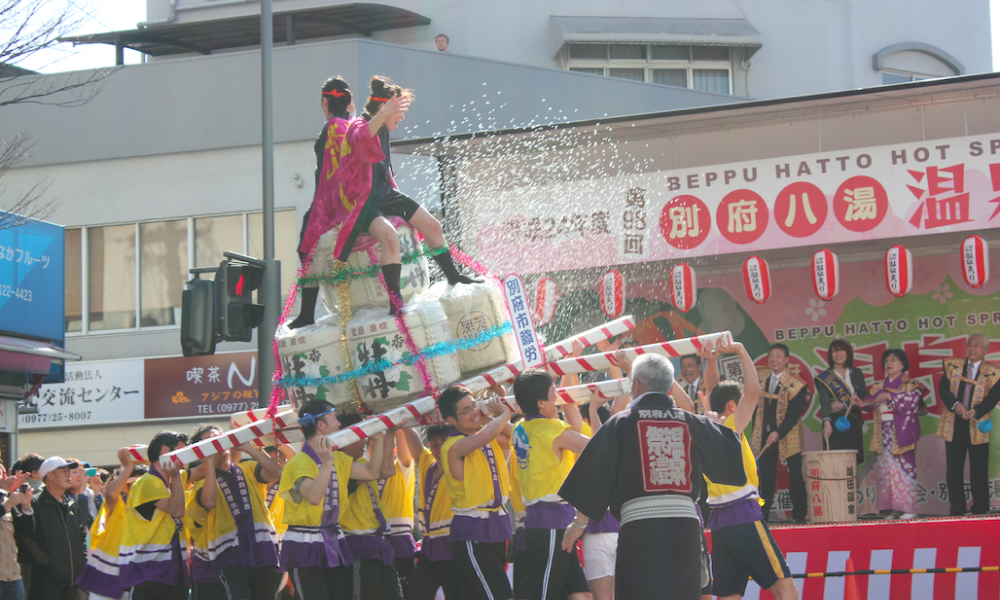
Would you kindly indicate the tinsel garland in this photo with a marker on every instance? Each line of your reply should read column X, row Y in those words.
column 432, row 351
column 343, row 297
column 367, row 272
column 397, row 302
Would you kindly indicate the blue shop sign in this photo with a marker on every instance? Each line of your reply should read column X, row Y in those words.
column 33, row 281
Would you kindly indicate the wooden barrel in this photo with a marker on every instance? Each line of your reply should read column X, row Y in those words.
column 830, row 484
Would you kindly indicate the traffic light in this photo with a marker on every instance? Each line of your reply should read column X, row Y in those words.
column 198, row 317
column 236, row 314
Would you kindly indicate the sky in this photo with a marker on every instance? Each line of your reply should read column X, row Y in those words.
column 118, row 15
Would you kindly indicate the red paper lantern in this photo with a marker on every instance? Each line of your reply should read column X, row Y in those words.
column 757, row 279
column 899, row 271
column 612, row 292
column 683, row 287
column 975, row 261
column 545, row 301
column 826, row 274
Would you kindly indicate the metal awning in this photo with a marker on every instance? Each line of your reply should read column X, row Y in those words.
column 30, row 356
column 704, row 32
column 205, row 37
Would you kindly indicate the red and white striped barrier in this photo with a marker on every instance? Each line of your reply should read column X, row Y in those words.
column 558, row 350
column 138, row 453
column 230, row 439
column 674, row 349
column 418, row 409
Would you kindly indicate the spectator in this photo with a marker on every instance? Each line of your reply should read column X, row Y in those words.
column 13, row 502
column 442, row 41
column 29, row 463
column 58, row 528
column 79, row 477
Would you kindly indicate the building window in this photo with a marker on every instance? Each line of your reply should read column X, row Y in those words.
column 705, row 68
column 134, row 274
column 890, row 77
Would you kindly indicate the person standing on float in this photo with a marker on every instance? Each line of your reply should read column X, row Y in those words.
column 365, row 194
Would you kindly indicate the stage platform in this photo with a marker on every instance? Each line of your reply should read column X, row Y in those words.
column 936, row 542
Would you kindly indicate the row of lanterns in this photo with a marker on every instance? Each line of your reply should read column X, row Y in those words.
column 757, row 280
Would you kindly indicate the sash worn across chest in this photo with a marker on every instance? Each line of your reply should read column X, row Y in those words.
column 430, row 494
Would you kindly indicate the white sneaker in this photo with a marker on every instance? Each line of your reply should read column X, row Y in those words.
column 908, row 516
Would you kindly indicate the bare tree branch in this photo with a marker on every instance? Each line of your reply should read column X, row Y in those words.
column 29, row 206
column 27, row 27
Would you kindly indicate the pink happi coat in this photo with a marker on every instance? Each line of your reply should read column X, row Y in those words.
column 345, row 181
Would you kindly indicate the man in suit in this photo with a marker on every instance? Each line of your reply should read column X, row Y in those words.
column 691, row 379
column 777, row 431
column 969, row 392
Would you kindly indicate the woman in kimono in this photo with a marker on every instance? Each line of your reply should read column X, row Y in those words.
column 895, row 432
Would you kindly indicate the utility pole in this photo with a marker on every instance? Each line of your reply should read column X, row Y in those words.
column 269, row 293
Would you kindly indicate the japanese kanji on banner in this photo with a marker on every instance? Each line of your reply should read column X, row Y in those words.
column 520, row 317
column 545, row 301
column 826, row 274
column 820, row 199
column 95, row 393
column 975, row 261
column 757, row 279
column 683, row 287
column 899, row 271
column 612, row 292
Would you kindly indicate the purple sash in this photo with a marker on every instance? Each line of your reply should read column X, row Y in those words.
column 330, row 525
column 272, row 492
column 252, row 554
column 382, row 524
column 430, row 493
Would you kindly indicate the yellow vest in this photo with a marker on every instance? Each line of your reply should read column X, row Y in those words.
column 718, row 494
column 439, row 521
column 475, row 491
column 302, row 465
column 358, row 517
column 277, row 511
column 145, row 551
column 100, row 575
column 218, row 527
column 540, row 471
column 397, row 500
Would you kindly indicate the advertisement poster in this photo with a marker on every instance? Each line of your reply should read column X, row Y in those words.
column 97, row 392
column 123, row 391
column 930, row 324
column 201, row 385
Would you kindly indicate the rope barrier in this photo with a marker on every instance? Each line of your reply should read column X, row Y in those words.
column 897, row 572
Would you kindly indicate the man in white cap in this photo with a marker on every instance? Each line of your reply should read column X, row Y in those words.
column 58, row 526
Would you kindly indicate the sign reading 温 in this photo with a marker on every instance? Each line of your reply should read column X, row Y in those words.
column 520, row 317
column 32, row 280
